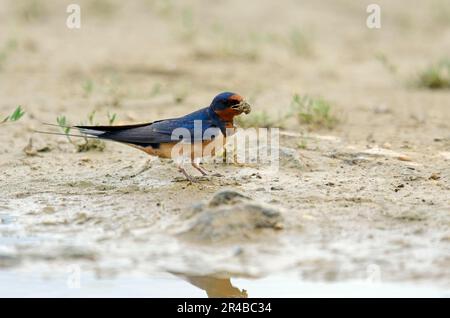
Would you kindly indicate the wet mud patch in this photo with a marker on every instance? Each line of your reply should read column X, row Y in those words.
column 373, row 190
column 231, row 216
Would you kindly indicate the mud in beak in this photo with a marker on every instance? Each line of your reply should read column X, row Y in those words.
column 243, row 107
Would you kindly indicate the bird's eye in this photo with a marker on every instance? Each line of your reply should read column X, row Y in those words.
column 233, row 103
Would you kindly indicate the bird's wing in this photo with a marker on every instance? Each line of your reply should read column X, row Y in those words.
column 151, row 133
column 111, row 128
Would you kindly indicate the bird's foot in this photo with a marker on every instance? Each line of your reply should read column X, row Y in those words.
column 191, row 179
column 188, row 176
column 202, row 170
column 202, row 178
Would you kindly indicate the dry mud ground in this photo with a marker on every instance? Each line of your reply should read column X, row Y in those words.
column 368, row 199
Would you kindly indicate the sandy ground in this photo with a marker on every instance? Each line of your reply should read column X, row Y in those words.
column 368, row 198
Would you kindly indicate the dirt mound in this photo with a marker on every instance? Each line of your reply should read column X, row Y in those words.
column 230, row 215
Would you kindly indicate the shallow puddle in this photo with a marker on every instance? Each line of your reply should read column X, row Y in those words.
column 19, row 284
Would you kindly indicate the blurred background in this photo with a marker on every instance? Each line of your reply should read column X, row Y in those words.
column 152, row 58
column 364, row 161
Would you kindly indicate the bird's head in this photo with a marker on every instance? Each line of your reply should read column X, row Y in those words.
column 227, row 105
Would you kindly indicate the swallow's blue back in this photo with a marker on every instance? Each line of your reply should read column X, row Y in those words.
column 171, row 130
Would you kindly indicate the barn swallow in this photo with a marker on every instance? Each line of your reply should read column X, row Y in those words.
column 158, row 138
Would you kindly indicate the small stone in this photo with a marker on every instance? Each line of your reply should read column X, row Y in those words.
column 226, row 197
column 278, row 226
column 48, row 209
column 29, row 149
column 381, row 109
column 434, row 176
column 230, row 215
column 276, row 188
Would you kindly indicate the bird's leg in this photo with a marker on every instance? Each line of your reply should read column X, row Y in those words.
column 183, row 171
column 204, row 169
column 196, row 166
column 224, row 158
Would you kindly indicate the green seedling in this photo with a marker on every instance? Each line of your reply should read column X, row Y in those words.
column 313, row 112
column 259, row 119
column 15, row 116
column 6, row 51
column 299, row 43
column 88, row 87
column 111, row 117
column 436, row 76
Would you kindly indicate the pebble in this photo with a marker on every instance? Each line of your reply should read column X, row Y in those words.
column 434, row 176
column 276, row 188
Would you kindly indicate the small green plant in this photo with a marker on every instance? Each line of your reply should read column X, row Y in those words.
column 115, row 89
column 188, row 28
column 63, row 124
column 89, row 143
column 383, row 59
column 90, row 117
column 299, row 43
column 111, row 117
column 103, row 8
column 164, row 8
column 32, row 10
column 156, row 89
column 88, row 87
column 6, row 51
column 436, row 76
column 314, row 112
column 231, row 46
column 180, row 95
column 259, row 119
column 441, row 14
column 15, row 116
column 302, row 144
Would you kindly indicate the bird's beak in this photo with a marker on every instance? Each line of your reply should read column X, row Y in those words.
column 245, row 107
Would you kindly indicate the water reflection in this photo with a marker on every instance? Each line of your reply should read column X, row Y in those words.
column 216, row 287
